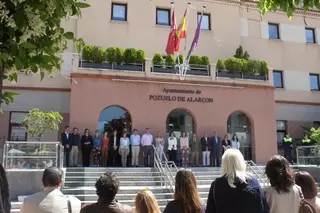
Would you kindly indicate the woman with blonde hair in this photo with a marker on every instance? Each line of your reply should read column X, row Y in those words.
column 186, row 197
column 236, row 187
column 159, row 145
column 146, row 202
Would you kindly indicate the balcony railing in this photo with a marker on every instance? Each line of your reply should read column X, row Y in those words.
column 241, row 76
column 112, row 66
column 197, row 70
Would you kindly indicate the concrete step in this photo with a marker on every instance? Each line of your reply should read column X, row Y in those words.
column 119, row 173
column 145, row 183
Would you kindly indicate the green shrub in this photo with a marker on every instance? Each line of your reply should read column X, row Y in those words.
column 114, row 55
column 244, row 69
column 220, row 65
column 253, row 67
column 246, row 55
column 263, row 68
column 98, row 55
column 239, row 52
column 170, row 60
column 157, row 59
column 181, row 58
column 233, row 65
column 86, row 53
column 141, row 56
column 195, row 60
column 130, row 55
column 119, row 55
column 205, row 60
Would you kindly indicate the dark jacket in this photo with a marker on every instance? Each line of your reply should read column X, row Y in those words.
column 225, row 144
column 75, row 139
column 175, row 207
column 66, row 140
column 205, row 143
column 245, row 198
column 103, row 207
column 86, row 142
column 5, row 205
column 215, row 145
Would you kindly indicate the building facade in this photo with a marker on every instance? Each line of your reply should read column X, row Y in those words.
column 260, row 112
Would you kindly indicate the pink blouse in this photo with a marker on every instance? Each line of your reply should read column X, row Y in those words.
column 184, row 142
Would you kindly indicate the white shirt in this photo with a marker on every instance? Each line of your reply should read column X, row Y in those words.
column 124, row 142
column 67, row 134
column 172, row 143
column 146, row 140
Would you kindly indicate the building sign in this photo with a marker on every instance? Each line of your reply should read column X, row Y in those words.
column 169, row 95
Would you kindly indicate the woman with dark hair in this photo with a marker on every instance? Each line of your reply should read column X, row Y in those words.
column 283, row 195
column 86, row 147
column 5, row 205
column 114, row 148
column 97, row 148
column 226, row 143
column 309, row 189
column 172, row 147
column 235, row 144
column 186, row 197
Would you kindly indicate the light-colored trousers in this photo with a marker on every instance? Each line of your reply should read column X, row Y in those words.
column 135, row 155
column 194, row 159
column 206, row 158
column 124, row 154
column 159, row 151
column 74, row 156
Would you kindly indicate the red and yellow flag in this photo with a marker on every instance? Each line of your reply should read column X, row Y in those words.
column 181, row 31
column 172, row 38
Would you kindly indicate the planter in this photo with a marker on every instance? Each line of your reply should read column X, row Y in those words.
column 229, row 75
column 199, row 71
column 255, row 77
column 168, row 70
column 130, row 67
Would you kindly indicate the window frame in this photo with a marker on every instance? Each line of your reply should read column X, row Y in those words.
column 209, row 19
column 169, row 16
column 125, row 14
column 283, row 131
column 15, row 125
column 313, row 35
column 278, row 30
column 282, row 82
column 317, row 75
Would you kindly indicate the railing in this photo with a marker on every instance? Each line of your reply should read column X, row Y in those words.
column 308, row 155
column 196, row 70
column 164, row 171
column 32, row 154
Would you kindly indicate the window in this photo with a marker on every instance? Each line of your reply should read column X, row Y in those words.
column 277, row 79
column 316, row 123
column 163, row 16
column 281, row 130
column 310, row 36
column 16, row 132
column 119, row 12
column 314, row 81
column 274, row 31
column 206, row 21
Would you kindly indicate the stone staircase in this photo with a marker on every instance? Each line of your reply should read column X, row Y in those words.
column 80, row 183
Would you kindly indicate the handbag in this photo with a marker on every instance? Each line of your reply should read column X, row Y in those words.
column 69, row 204
column 305, row 206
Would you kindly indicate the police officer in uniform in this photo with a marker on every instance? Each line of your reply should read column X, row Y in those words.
column 287, row 145
column 307, row 151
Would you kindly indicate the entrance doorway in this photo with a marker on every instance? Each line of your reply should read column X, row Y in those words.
column 180, row 120
column 239, row 123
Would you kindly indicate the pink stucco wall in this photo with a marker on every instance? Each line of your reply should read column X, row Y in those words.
column 91, row 95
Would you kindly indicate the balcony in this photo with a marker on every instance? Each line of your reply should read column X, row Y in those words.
column 206, row 74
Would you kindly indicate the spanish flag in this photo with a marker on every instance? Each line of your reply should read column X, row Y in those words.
column 181, row 31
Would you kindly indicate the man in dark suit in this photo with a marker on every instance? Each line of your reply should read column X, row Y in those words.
column 66, row 143
column 205, row 148
column 215, row 149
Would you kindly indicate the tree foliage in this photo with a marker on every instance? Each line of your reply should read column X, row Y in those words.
column 39, row 122
column 288, row 6
column 315, row 134
column 31, row 37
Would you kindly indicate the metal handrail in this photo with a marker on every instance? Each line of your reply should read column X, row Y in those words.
column 311, row 155
column 172, row 163
column 253, row 167
column 158, row 164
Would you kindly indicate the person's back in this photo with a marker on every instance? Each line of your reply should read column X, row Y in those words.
column 51, row 200
column 284, row 201
column 107, row 187
column 244, row 198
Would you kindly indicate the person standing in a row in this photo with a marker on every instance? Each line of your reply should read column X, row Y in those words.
column 66, row 143
column 114, row 148
column 226, row 143
column 184, row 146
column 215, row 149
column 205, row 145
column 124, row 148
column 235, row 144
column 195, row 150
column 75, row 144
column 96, row 148
column 159, row 145
column 287, row 146
column 172, row 147
column 147, row 148
column 105, row 149
column 86, row 147
column 135, row 147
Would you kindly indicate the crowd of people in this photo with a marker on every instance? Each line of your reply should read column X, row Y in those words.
column 236, row 191
column 123, row 149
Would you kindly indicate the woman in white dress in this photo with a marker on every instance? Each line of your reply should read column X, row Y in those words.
column 172, row 147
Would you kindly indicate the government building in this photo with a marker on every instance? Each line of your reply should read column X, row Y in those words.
column 259, row 109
